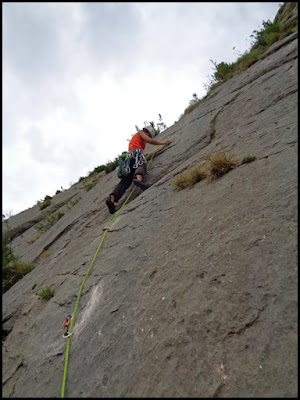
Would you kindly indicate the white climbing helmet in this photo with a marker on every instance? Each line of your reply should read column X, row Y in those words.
column 150, row 130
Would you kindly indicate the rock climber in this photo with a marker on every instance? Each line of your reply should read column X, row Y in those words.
column 138, row 142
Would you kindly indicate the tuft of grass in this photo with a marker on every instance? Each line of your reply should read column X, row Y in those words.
column 179, row 182
column 46, row 294
column 247, row 59
column 13, row 273
column 74, row 202
column 248, row 159
column 12, row 268
column 111, row 165
column 90, row 186
column 189, row 178
column 220, row 163
column 46, row 254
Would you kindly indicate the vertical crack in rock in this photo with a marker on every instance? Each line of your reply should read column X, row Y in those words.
column 220, row 368
column 212, row 125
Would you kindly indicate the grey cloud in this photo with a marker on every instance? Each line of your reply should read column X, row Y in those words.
column 46, row 48
column 111, row 34
column 29, row 40
column 60, row 152
column 40, row 149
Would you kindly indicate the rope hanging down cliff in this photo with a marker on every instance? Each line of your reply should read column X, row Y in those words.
column 86, row 275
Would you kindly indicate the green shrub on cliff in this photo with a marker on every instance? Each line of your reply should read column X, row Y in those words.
column 248, row 159
column 46, row 294
column 45, row 203
column 12, row 268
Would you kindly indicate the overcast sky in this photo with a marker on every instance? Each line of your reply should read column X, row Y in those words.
column 78, row 77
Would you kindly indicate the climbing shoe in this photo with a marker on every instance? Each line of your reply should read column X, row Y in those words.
column 110, row 205
column 140, row 184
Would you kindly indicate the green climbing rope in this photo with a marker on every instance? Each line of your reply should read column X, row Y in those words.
column 86, row 275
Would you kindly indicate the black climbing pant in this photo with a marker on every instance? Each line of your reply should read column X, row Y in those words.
column 126, row 181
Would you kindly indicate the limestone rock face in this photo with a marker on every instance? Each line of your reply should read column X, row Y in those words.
column 193, row 293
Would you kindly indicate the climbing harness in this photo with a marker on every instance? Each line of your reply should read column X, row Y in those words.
column 124, row 162
column 86, row 275
column 66, row 325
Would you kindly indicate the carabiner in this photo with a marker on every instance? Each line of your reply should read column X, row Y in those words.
column 67, row 321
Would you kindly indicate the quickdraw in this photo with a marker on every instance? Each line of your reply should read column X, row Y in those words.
column 123, row 165
column 66, row 325
column 140, row 159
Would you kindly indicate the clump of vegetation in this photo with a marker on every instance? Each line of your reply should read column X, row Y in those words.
column 12, row 268
column 212, row 134
column 46, row 254
column 90, row 186
column 111, row 165
column 220, row 163
column 44, row 203
column 46, row 294
column 248, row 159
column 73, row 203
column 108, row 167
column 47, row 222
column 189, row 178
column 267, row 36
column 223, row 71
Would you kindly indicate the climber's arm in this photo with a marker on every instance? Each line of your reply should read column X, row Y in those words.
column 148, row 139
